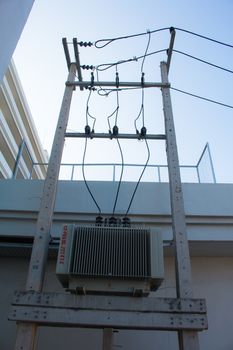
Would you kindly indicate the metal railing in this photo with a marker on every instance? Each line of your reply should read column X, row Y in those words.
column 202, row 172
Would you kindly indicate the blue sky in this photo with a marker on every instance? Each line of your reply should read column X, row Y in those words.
column 40, row 61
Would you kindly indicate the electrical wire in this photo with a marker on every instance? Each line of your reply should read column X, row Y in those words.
column 115, row 111
column 118, row 143
column 139, row 180
column 145, row 54
column 109, row 41
column 106, row 92
column 87, row 112
column 203, row 61
column 202, row 98
column 84, row 177
column 135, row 124
column 204, row 37
column 120, row 180
column 141, row 111
column 106, row 66
column 134, row 59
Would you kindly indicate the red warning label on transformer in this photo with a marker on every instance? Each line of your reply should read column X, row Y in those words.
column 63, row 245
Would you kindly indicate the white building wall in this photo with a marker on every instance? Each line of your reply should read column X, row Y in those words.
column 212, row 279
column 16, row 129
column 13, row 16
column 210, row 229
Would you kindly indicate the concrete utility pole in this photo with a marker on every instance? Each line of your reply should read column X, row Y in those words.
column 187, row 340
column 26, row 332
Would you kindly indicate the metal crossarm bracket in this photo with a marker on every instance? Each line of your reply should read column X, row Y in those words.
column 118, row 136
column 122, row 84
column 60, row 309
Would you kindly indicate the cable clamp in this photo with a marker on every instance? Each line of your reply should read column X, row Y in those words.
column 143, row 131
column 171, row 29
column 142, row 80
column 117, row 80
column 115, row 130
column 92, row 79
column 87, row 130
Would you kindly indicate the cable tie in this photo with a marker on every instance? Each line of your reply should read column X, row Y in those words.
column 117, row 80
column 171, row 29
column 148, row 31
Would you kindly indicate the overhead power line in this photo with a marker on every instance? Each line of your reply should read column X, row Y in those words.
column 202, row 98
column 101, row 43
column 106, row 42
column 204, row 37
column 203, row 61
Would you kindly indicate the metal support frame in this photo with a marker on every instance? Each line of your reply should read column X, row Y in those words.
column 108, row 336
column 26, row 332
column 122, row 84
column 118, row 136
column 109, row 312
column 31, row 308
column 187, row 340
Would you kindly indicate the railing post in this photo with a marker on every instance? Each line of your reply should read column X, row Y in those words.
column 72, row 173
column 18, row 158
column 211, row 162
column 159, row 174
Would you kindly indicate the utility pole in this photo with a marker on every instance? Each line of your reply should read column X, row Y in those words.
column 31, row 307
column 26, row 332
column 187, row 340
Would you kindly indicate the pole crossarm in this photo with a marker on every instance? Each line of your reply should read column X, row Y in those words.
column 90, row 311
column 122, row 84
column 118, row 136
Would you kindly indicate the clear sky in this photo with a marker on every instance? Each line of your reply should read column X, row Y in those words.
column 41, row 64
